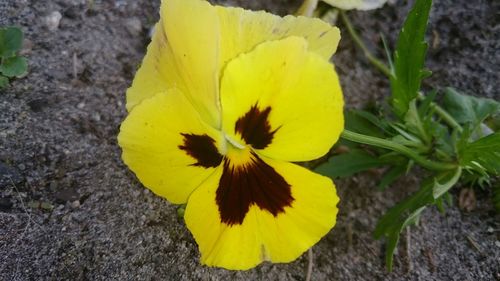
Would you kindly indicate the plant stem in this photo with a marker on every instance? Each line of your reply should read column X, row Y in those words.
column 443, row 114
column 354, row 35
column 387, row 144
column 307, row 8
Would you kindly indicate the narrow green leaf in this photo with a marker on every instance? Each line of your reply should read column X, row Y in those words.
column 449, row 181
column 409, row 58
column 363, row 122
column 402, row 215
column 393, row 238
column 469, row 109
column 425, row 105
column 14, row 66
column 347, row 164
column 387, row 52
column 413, row 122
column 11, row 41
column 393, row 218
column 392, row 175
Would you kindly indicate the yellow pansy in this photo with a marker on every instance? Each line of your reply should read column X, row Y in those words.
column 225, row 99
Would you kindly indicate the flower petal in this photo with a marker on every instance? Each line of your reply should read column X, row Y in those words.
column 362, row 5
column 263, row 236
column 168, row 147
column 184, row 53
column 242, row 30
column 283, row 100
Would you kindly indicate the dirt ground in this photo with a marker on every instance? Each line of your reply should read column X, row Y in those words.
column 58, row 128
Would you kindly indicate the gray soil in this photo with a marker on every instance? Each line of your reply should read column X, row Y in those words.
column 58, row 128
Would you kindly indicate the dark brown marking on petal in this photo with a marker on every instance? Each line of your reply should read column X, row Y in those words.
column 254, row 183
column 254, row 127
column 203, row 149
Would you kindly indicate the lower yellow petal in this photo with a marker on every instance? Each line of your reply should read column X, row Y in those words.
column 263, row 236
column 155, row 138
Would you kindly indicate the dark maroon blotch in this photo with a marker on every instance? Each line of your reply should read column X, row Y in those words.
column 254, row 127
column 203, row 149
column 254, row 183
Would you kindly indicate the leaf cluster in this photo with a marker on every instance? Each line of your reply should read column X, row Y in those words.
column 456, row 142
column 11, row 64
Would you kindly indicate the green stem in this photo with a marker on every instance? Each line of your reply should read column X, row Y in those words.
column 387, row 144
column 443, row 114
column 307, row 8
column 418, row 123
column 354, row 35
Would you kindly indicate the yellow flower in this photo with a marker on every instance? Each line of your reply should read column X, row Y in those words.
column 224, row 100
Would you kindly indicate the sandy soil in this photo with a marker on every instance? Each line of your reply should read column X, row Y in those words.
column 58, row 128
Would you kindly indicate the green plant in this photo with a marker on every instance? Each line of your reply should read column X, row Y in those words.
column 457, row 142
column 11, row 64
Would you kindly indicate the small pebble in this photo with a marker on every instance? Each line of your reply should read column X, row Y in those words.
column 27, row 47
column 134, row 26
column 75, row 204
column 52, row 20
column 81, row 105
column 66, row 195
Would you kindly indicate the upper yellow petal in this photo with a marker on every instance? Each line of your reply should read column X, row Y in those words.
column 241, row 30
column 151, row 138
column 184, row 53
column 155, row 74
column 283, row 100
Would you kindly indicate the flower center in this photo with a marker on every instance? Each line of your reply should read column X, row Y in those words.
column 246, row 179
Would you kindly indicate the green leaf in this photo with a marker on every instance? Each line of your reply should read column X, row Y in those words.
column 11, row 41
column 425, row 105
column 469, row 109
column 363, row 122
column 4, row 81
column 413, row 122
column 387, row 51
column 408, row 211
column 392, row 175
column 393, row 238
column 449, row 181
column 483, row 153
column 347, row 164
column 409, row 58
column 394, row 217
column 14, row 66
column 404, row 214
